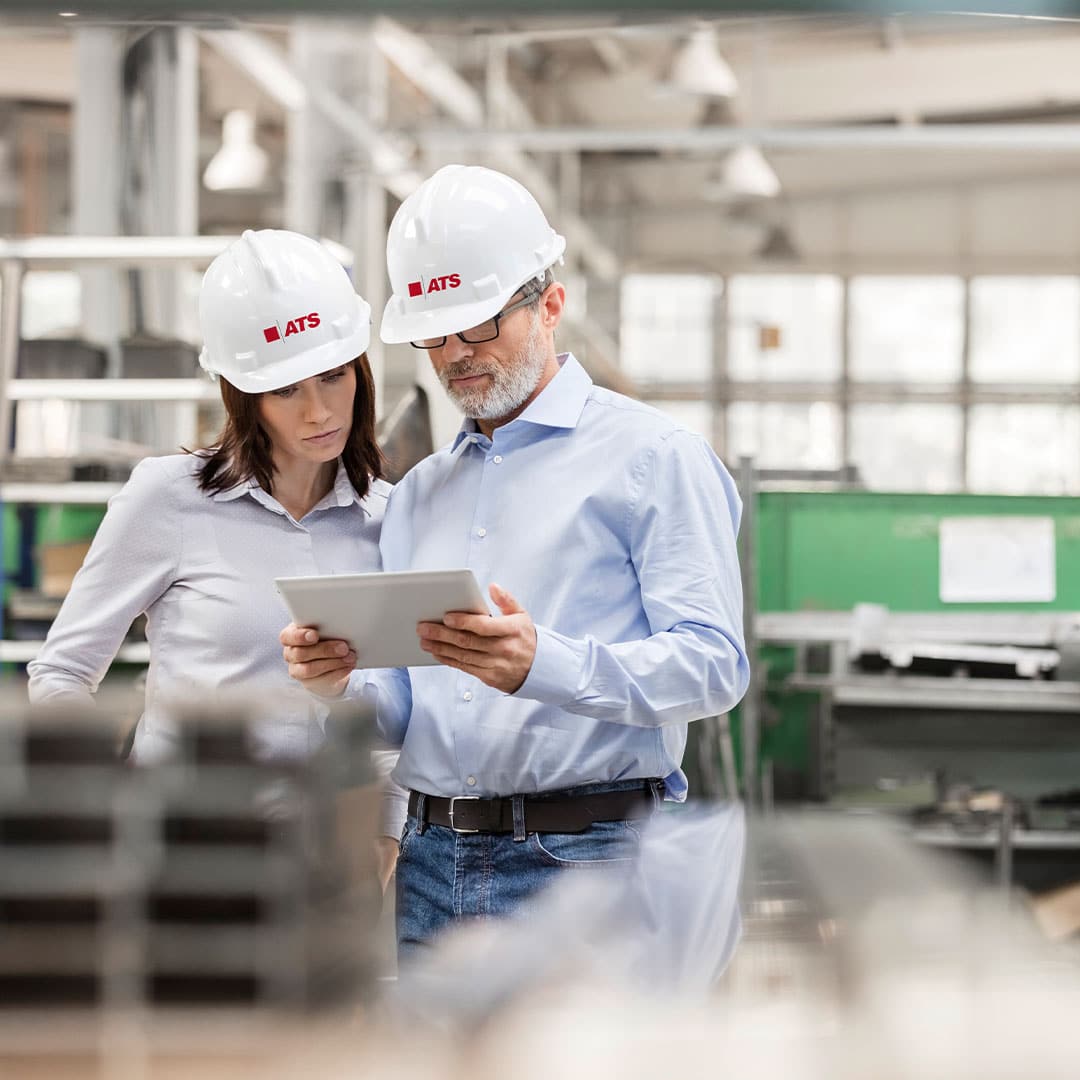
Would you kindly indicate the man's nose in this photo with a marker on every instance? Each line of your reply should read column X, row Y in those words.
column 455, row 349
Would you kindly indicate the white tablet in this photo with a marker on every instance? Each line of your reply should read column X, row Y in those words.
column 377, row 613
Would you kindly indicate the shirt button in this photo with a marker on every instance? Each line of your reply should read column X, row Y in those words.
column 481, row 533
column 467, row 695
column 497, row 459
column 471, row 781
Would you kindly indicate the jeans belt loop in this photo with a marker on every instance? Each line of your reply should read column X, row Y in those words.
column 518, row 803
column 421, row 815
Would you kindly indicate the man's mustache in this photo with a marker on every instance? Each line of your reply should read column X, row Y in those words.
column 462, row 371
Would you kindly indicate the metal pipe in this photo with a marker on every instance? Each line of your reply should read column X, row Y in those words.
column 11, row 275
column 879, row 393
column 11, row 272
column 749, row 709
column 727, row 758
column 1064, row 138
column 1003, row 862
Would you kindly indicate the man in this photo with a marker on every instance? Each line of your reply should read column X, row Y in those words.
column 606, row 535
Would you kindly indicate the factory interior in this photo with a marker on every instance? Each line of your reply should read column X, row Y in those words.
column 838, row 244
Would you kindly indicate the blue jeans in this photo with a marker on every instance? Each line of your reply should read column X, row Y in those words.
column 444, row 877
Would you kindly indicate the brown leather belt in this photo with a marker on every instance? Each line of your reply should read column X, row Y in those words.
column 547, row 813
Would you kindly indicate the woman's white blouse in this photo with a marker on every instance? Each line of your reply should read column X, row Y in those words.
column 202, row 568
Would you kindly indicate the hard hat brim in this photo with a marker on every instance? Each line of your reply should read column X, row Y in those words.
column 399, row 325
column 295, row 369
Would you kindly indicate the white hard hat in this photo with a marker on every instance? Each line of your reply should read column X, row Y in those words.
column 459, row 247
column 276, row 307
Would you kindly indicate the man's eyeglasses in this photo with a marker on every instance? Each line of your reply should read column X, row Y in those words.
column 486, row 331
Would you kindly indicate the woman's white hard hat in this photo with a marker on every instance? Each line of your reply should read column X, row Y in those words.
column 276, row 307
column 458, row 248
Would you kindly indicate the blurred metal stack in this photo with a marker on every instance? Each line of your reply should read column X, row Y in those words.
column 210, row 878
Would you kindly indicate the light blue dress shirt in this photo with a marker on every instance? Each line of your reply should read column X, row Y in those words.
column 202, row 568
column 615, row 529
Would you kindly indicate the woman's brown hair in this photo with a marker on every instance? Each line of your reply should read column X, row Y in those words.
column 243, row 452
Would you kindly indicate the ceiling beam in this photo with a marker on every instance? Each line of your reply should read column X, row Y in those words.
column 611, row 53
column 430, row 73
column 37, row 68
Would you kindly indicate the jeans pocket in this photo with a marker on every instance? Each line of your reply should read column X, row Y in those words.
column 604, row 843
column 407, row 832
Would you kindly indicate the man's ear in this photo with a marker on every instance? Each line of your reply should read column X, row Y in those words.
column 552, row 304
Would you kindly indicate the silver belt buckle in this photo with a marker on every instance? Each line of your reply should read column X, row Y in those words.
column 461, row 798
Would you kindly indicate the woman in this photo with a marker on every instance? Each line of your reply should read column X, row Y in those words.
column 292, row 487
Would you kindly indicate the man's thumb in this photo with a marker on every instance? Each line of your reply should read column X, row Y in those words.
column 507, row 604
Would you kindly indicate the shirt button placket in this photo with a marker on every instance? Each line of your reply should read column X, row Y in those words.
column 477, row 563
column 465, row 699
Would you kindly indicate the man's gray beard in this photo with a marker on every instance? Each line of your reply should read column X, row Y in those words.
column 511, row 385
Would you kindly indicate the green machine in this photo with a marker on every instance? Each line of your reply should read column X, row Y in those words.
column 828, row 551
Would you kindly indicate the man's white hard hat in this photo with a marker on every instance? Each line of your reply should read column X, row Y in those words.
column 459, row 247
column 277, row 307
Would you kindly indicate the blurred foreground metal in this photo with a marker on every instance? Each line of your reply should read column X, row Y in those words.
column 195, row 918
column 210, row 878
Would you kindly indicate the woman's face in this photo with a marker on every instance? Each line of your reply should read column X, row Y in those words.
column 309, row 421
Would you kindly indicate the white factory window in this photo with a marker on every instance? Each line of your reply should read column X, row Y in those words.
column 907, row 447
column 50, row 307
column 782, row 435
column 666, row 332
column 1024, row 449
column 1025, row 329
column 693, row 415
column 804, row 308
column 50, row 303
column 906, row 329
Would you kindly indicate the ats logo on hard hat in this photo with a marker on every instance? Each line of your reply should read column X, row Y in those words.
column 436, row 284
column 293, row 326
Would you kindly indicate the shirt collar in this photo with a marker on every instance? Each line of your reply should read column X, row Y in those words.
column 559, row 404
column 234, row 492
column 343, row 493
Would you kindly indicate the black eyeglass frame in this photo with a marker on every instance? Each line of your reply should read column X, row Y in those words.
column 531, row 298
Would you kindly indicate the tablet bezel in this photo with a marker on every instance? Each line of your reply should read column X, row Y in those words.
column 377, row 613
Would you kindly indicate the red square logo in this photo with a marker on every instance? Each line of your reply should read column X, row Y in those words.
column 416, row 288
column 272, row 333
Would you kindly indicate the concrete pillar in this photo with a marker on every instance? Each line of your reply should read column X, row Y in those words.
column 97, row 156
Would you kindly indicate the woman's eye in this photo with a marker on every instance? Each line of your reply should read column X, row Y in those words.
column 333, row 376
column 285, row 391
